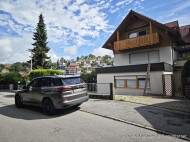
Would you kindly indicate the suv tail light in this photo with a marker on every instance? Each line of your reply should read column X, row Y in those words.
column 84, row 85
column 63, row 89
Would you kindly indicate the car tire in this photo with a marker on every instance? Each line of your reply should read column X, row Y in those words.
column 18, row 102
column 47, row 107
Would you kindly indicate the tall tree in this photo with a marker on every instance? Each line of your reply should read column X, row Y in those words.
column 91, row 56
column 62, row 60
column 40, row 50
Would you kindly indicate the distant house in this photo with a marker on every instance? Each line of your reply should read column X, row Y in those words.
column 73, row 70
column 23, row 74
column 5, row 70
column 99, row 60
column 7, row 65
column 62, row 68
column 74, row 65
column 92, row 68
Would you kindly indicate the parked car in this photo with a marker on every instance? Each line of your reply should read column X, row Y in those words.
column 53, row 92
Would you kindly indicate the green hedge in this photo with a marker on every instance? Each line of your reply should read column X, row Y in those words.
column 186, row 69
column 43, row 72
column 89, row 77
column 12, row 78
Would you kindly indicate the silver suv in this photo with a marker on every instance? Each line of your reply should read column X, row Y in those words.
column 53, row 92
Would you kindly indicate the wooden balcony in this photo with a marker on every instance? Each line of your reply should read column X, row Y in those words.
column 145, row 40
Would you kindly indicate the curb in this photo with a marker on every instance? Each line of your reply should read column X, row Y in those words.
column 135, row 124
column 155, row 106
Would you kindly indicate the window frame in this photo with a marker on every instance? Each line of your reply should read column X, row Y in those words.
column 148, row 55
column 133, row 33
column 137, row 83
column 142, row 31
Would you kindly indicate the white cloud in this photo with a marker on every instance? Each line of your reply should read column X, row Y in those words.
column 71, row 50
column 15, row 49
column 67, row 22
column 124, row 2
column 5, row 49
column 114, row 10
column 54, row 57
column 64, row 19
column 102, row 51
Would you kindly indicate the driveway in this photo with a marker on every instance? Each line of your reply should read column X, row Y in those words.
column 71, row 125
column 174, row 122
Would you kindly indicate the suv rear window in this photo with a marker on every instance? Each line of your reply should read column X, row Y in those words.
column 57, row 82
column 72, row 81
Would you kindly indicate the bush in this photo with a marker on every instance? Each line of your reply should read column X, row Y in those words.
column 89, row 77
column 186, row 69
column 11, row 78
column 43, row 72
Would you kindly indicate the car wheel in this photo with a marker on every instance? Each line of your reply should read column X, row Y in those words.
column 48, row 107
column 18, row 102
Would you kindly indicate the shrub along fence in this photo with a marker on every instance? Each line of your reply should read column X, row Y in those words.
column 43, row 72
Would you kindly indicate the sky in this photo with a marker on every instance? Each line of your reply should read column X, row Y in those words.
column 75, row 27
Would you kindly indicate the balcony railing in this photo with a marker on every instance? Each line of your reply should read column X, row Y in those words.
column 145, row 40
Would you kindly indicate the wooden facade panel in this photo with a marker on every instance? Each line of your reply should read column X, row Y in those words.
column 146, row 40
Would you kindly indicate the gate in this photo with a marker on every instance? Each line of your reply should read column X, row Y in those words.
column 100, row 90
column 172, row 85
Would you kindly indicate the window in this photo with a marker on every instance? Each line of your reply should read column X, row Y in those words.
column 137, row 58
column 32, row 84
column 141, row 33
column 44, row 82
column 131, row 82
column 72, row 81
column 120, row 83
column 154, row 56
column 141, row 81
column 132, row 35
column 56, row 82
column 144, row 57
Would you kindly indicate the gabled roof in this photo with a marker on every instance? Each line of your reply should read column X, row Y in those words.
column 132, row 13
column 185, row 33
column 173, row 24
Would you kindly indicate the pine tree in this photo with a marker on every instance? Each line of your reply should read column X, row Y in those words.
column 40, row 50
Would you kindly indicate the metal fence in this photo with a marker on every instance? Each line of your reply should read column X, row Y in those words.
column 172, row 85
column 11, row 87
column 100, row 89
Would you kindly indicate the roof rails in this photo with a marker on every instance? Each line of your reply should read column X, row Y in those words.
column 68, row 76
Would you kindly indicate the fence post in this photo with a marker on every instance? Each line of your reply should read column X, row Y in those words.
column 112, row 94
column 173, row 85
column 163, row 84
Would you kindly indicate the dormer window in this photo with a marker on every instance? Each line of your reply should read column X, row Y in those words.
column 132, row 35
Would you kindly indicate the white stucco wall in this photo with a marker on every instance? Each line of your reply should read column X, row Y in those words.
column 155, row 83
column 165, row 54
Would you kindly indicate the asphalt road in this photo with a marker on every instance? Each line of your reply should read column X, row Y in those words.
column 29, row 124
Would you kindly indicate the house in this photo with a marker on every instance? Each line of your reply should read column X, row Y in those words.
column 62, row 68
column 5, row 70
column 74, row 65
column 99, row 60
column 72, row 70
column 137, row 42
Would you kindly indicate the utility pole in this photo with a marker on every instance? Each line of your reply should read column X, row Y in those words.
column 31, row 59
